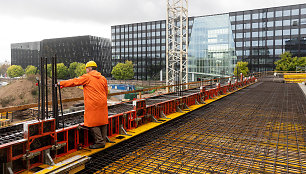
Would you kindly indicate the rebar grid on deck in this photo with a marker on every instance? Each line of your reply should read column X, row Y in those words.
column 260, row 129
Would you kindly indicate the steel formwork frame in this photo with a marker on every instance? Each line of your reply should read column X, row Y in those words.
column 177, row 42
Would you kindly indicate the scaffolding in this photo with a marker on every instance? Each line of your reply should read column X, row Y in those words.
column 177, row 42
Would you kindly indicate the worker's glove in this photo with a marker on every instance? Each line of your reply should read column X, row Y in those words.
column 59, row 85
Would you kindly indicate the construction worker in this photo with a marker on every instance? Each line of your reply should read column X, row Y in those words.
column 95, row 100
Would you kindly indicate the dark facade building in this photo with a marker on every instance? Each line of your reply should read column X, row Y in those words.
column 25, row 54
column 297, row 47
column 216, row 42
column 70, row 49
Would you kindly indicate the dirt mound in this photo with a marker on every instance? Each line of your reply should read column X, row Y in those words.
column 24, row 91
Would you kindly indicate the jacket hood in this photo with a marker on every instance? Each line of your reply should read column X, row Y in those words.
column 95, row 74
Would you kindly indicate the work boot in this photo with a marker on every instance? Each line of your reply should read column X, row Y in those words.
column 97, row 146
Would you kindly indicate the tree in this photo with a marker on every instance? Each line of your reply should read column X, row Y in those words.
column 242, row 68
column 30, row 70
column 80, row 69
column 49, row 70
column 72, row 68
column 123, row 71
column 62, row 71
column 3, row 68
column 15, row 71
column 289, row 63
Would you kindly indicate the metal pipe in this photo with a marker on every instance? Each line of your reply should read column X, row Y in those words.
column 53, row 88
column 47, row 115
column 60, row 97
column 42, row 74
column 38, row 102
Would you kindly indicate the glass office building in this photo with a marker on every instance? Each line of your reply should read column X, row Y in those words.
column 256, row 36
column 142, row 43
column 211, row 47
column 261, row 35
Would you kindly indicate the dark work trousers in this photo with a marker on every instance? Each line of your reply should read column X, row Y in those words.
column 99, row 133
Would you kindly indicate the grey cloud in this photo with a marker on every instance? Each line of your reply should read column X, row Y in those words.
column 113, row 12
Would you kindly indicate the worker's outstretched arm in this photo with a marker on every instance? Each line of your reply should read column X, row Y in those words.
column 82, row 80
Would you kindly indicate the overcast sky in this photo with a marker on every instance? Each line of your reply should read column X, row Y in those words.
column 34, row 20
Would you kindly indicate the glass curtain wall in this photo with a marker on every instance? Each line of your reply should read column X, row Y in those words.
column 211, row 50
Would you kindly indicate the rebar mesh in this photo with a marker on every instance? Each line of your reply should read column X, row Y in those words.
column 260, row 129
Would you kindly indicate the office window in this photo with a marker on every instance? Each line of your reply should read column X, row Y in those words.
column 254, row 43
column 255, row 16
column 247, row 35
column 148, row 27
column 270, row 14
column 247, row 26
column 278, row 51
column 247, row 17
column 286, row 22
column 239, row 27
column 233, row 27
column 239, row 35
column 278, row 23
column 303, row 11
column 239, row 44
column 303, row 30
column 295, row 12
column 269, row 33
column 239, row 18
column 278, row 14
column 294, row 31
column 239, row 53
column 278, row 42
column 117, row 30
column 247, row 52
column 270, row 24
column 232, row 18
column 247, row 44
column 269, row 42
column 278, row 32
column 286, row 13
column 254, row 34
column 262, row 34
column 163, row 25
column 254, row 25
